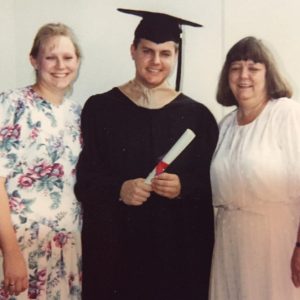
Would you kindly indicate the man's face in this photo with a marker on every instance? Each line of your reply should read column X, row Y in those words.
column 153, row 62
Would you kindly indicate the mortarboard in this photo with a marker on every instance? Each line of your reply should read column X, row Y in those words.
column 160, row 28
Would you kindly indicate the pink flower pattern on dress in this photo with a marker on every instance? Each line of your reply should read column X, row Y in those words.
column 60, row 239
column 39, row 149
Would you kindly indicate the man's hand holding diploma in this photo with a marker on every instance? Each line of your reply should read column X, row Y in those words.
column 167, row 185
column 137, row 191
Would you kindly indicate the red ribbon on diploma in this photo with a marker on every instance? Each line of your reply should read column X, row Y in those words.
column 160, row 167
column 176, row 149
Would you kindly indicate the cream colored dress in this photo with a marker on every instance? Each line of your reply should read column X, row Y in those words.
column 255, row 177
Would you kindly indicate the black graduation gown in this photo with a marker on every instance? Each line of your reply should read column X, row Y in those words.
column 162, row 249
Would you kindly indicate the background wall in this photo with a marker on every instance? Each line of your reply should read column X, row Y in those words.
column 105, row 36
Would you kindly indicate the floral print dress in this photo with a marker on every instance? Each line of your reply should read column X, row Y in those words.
column 39, row 148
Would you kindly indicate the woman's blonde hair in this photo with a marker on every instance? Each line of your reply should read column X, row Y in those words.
column 50, row 30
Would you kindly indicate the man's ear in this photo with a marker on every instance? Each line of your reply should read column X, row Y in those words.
column 132, row 51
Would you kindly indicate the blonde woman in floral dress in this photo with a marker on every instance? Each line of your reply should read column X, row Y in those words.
column 40, row 219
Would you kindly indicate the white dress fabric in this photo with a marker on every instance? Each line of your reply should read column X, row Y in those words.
column 39, row 149
column 255, row 175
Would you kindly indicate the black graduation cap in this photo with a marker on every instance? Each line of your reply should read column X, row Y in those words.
column 160, row 28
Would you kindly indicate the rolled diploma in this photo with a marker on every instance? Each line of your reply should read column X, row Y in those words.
column 177, row 148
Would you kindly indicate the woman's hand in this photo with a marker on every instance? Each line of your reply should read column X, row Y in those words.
column 295, row 267
column 135, row 192
column 14, row 266
column 167, row 185
column 15, row 272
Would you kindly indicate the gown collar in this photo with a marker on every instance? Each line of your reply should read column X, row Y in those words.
column 151, row 98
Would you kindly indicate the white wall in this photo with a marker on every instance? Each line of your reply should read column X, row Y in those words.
column 105, row 36
column 276, row 22
column 8, row 68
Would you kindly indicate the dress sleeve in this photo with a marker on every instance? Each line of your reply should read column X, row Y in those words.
column 10, row 132
column 289, row 141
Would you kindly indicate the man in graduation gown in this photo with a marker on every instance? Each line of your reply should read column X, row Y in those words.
column 146, row 241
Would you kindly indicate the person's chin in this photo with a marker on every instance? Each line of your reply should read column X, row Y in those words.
column 154, row 82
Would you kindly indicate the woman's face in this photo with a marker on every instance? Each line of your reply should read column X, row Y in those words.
column 247, row 81
column 56, row 63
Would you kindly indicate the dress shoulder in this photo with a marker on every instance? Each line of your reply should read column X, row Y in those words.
column 228, row 119
column 285, row 105
column 284, row 112
column 13, row 104
column 73, row 103
column 16, row 95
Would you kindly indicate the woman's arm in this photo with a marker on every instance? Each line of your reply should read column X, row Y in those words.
column 295, row 263
column 14, row 266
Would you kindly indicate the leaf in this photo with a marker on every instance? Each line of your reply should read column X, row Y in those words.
column 23, row 220
column 56, row 197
